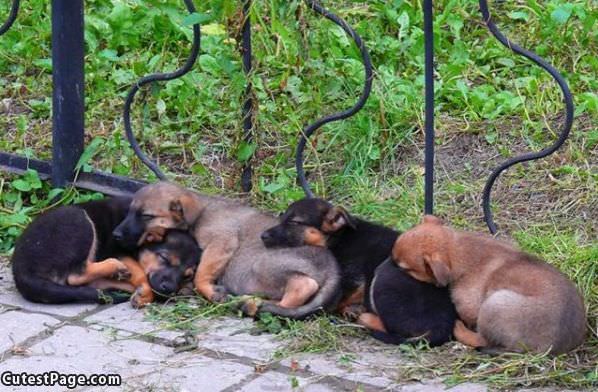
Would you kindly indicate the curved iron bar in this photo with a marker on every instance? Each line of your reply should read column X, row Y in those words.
column 12, row 16
column 154, row 78
column 367, row 88
column 569, row 109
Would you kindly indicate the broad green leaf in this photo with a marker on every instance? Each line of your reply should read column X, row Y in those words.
column 519, row 15
column 245, row 151
column 196, row 18
column 562, row 14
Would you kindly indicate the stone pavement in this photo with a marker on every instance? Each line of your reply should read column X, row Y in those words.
column 117, row 339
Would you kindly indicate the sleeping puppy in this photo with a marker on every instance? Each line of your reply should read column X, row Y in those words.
column 68, row 254
column 514, row 301
column 399, row 307
column 168, row 263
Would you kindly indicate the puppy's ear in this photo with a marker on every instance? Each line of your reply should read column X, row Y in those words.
column 434, row 220
column 189, row 272
column 438, row 269
column 186, row 209
column 176, row 209
column 336, row 219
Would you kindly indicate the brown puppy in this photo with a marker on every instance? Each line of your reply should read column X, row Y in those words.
column 299, row 281
column 515, row 301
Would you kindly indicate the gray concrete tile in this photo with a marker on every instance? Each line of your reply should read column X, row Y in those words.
column 18, row 326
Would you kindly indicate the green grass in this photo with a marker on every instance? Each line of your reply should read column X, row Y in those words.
column 490, row 105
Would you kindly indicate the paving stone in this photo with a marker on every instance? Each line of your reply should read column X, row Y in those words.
column 65, row 310
column 280, row 382
column 125, row 317
column 232, row 336
column 192, row 372
column 10, row 296
column 79, row 350
column 18, row 326
column 359, row 370
column 439, row 387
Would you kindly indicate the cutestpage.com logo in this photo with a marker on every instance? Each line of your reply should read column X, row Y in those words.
column 50, row 379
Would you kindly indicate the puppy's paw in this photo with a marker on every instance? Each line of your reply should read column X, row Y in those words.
column 251, row 306
column 353, row 311
column 187, row 290
column 141, row 297
column 220, row 294
column 122, row 273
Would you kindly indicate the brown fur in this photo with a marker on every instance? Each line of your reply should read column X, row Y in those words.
column 372, row 322
column 303, row 279
column 514, row 301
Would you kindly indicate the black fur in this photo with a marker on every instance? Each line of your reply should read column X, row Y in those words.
column 408, row 308
column 58, row 242
column 176, row 244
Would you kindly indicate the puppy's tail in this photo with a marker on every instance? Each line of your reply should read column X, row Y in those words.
column 40, row 290
column 324, row 299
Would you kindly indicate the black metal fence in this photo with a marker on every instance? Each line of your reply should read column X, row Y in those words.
column 68, row 103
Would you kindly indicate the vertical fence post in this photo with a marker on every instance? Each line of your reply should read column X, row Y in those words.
column 248, row 109
column 429, row 120
column 68, row 94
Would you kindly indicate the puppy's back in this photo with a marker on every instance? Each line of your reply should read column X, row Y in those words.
column 534, row 304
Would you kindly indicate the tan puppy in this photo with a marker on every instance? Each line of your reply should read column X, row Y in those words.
column 515, row 301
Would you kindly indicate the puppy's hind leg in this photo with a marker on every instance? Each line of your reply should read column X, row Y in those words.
column 298, row 290
column 372, row 322
column 467, row 336
column 96, row 270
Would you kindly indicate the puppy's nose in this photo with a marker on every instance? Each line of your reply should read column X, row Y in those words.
column 266, row 236
column 166, row 288
column 117, row 234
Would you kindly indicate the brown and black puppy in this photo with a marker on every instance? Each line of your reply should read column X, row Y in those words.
column 298, row 281
column 68, row 255
column 169, row 262
column 399, row 307
column 514, row 301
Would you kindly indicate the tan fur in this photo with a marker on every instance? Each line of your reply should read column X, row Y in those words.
column 314, row 237
column 143, row 292
column 356, row 298
column 233, row 254
column 104, row 275
column 514, row 301
column 108, row 268
column 371, row 321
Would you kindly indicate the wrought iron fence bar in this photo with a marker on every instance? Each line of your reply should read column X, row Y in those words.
column 105, row 183
column 248, row 105
column 565, row 130
column 367, row 88
column 429, row 107
column 153, row 166
column 12, row 16
column 68, row 94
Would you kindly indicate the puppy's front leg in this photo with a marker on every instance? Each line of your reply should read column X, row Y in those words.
column 214, row 259
column 467, row 336
column 143, row 294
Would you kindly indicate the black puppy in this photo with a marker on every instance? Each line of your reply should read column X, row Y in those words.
column 65, row 249
column 399, row 306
